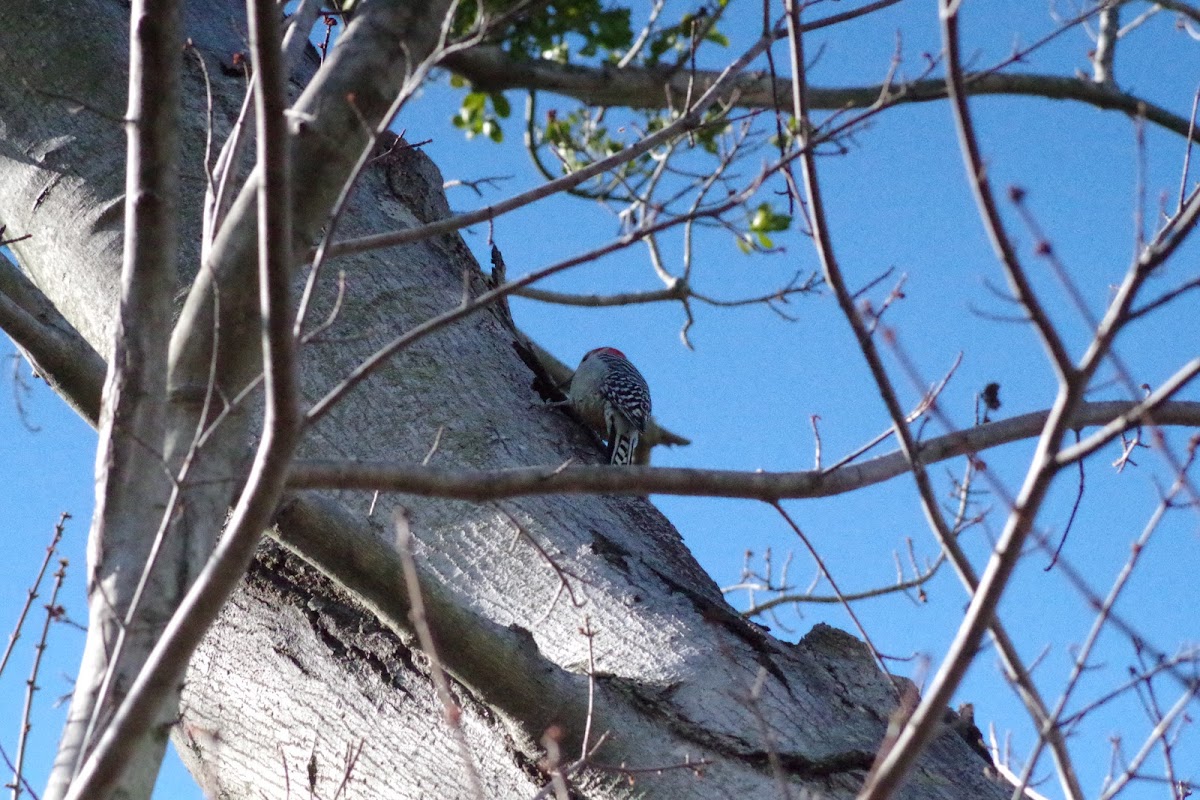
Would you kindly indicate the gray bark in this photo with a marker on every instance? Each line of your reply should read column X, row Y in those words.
column 302, row 668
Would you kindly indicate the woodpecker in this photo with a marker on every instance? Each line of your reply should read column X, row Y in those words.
column 612, row 397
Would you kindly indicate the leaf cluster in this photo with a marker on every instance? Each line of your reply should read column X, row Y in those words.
column 550, row 29
column 692, row 29
column 564, row 141
column 765, row 220
column 481, row 112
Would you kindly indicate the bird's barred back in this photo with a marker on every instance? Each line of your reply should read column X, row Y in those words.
column 627, row 389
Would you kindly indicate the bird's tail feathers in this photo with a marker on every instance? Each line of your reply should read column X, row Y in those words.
column 620, row 450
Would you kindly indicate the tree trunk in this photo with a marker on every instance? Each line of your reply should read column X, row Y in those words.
column 300, row 686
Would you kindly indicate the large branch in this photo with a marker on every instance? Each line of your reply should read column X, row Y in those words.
column 502, row 665
column 294, row 671
column 70, row 364
column 157, row 682
column 61, row 356
column 49, row 340
column 491, row 69
column 510, row 666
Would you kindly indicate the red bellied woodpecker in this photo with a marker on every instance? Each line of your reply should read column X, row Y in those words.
column 612, row 397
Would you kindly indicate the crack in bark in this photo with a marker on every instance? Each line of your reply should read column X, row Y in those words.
column 745, row 630
column 329, row 613
column 734, row 747
column 337, row 621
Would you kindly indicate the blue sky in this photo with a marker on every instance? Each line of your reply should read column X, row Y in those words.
column 897, row 200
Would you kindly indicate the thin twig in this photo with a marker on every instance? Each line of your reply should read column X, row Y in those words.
column 891, row 765
column 685, row 122
column 31, row 594
column 928, row 401
column 450, row 709
column 1062, row 541
column 1180, row 707
column 52, row 613
column 841, row 598
column 353, row 752
column 1103, row 613
column 1187, row 152
column 922, row 577
column 561, row 572
column 8, row 763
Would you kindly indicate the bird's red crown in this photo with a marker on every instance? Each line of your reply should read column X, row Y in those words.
column 612, row 351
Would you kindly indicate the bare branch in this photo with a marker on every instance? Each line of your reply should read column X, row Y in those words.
column 31, row 593
column 1134, row 417
column 480, row 485
column 501, row 664
column 885, row 773
column 684, row 123
column 679, row 290
column 59, row 354
column 1164, row 724
column 53, row 612
column 159, row 677
column 282, row 418
column 1106, row 44
column 136, row 391
column 1181, row 8
column 490, row 69
column 1187, row 152
column 921, row 579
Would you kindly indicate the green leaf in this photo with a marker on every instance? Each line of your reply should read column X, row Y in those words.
column 474, row 101
column 501, row 106
column 766, row 220
column 480, row 115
